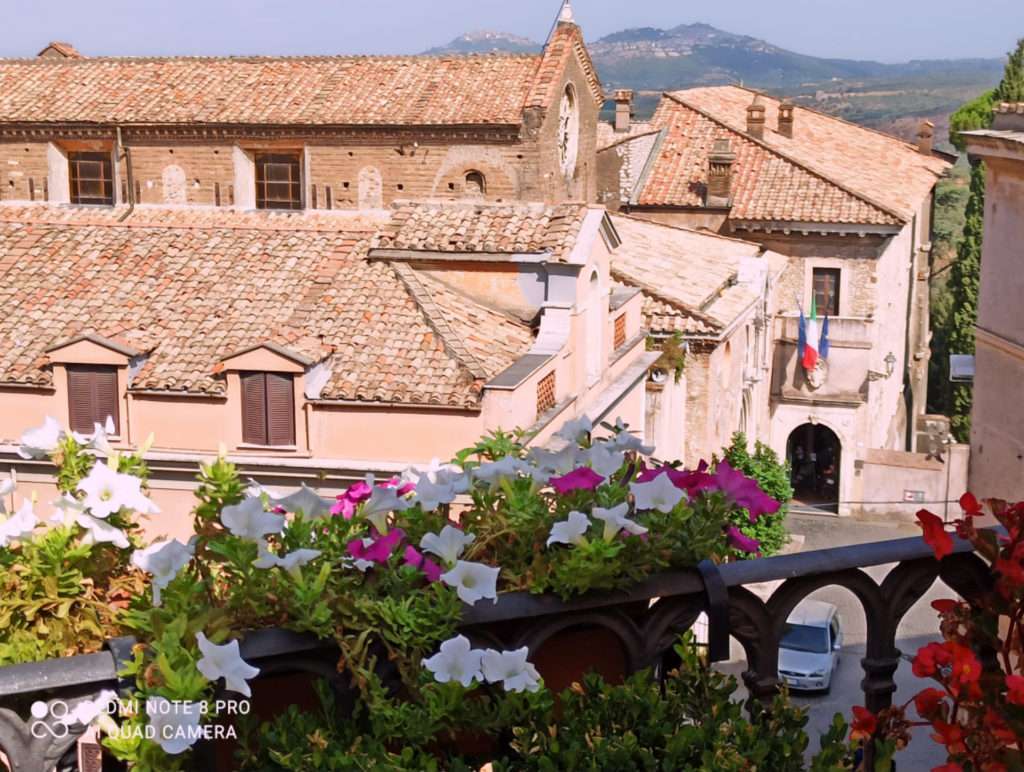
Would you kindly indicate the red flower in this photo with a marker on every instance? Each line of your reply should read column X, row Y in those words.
column 950, row 767
column 864, row 724
column 970, row 505
column 930, row 658
column 1015, row 689
column 935, row 534
column 1010, row 570
column 965, row 671
column 998, row 728
column 945, row 605
column 929, row 702
column 950, row 735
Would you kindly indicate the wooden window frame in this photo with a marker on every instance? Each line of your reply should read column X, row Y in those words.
column 77, row 159
column 291, row 161
column 831, row 306
column 258, row 425
column 99, row 386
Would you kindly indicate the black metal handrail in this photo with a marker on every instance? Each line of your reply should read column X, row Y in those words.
column 659, row 609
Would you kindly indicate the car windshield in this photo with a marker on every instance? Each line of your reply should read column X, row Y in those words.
column 805, row 638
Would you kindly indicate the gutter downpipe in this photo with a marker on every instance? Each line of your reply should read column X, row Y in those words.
column 125, row 153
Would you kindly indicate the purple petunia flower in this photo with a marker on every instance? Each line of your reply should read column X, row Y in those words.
column 347, row 502
column 582, row 479
column 416, row 559
column 379, row 551
column 741, row 541
column 744, row 491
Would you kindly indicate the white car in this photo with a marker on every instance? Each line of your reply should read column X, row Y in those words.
column 809, row 648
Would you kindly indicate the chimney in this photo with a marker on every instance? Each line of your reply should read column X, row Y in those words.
column 925, row 137
column 755, row 118
column 623, row 108
column 56, row 49
column 720, row 160
column 786, row 118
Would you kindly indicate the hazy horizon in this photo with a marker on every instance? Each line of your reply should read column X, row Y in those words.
column 872, row 29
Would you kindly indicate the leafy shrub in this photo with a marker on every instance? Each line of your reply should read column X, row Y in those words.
column 773, row 476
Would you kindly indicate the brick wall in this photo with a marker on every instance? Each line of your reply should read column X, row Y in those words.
column 22, row 171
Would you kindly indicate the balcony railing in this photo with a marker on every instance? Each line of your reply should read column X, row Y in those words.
column 851, row 330
column 645, row 620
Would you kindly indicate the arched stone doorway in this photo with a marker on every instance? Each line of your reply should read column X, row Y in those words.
column 814, row 453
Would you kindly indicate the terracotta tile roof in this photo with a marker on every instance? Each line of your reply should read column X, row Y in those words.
column 341, row 90
column 831, row 171
column 488, row 228
column 190, row 288
column 566, row 42
column 689, row 278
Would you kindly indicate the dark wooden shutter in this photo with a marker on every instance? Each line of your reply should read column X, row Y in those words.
column 280, row 409
column 254, row 412
column 92, row 396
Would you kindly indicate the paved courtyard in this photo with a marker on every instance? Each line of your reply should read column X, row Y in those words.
column 919, row 626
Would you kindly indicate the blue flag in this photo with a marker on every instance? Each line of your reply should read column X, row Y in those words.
column 823, row 344
column 802, row 335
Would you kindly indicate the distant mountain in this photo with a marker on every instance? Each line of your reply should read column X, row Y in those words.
column 484, row 42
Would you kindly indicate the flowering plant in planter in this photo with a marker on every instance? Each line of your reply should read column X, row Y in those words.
column 383, row 571
column 976, row 706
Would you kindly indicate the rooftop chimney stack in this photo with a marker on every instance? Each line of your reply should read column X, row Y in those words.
column 786, row 118
column 623, row 108
column 720, row 160
column 755, row 118
column 925, row 138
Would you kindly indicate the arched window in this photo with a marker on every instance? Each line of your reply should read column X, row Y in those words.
column 476, row 183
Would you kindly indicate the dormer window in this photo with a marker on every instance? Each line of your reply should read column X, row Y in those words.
column 278, row 180
column 91, row 178
column 476, row 185
column 268, row 409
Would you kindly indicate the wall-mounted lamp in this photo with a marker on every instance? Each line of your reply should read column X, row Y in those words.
column 890, row 364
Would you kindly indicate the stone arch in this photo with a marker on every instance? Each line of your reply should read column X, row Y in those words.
column 371, row 188
column 175, row 191
column 475, row 183
column 815, row 451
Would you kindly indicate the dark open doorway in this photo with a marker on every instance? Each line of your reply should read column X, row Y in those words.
column 814, row 452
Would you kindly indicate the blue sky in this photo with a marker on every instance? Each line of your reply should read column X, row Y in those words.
column 887, row 30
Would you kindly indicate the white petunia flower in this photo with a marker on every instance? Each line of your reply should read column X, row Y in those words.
column 87, row 710
column 175, row 724
column 555, row 463
column 249, row 520
column 660, row 494
column 473, row 581
column 605, row 459
column 574, row 430
column 382, row 502
column 505, row 468
column 571, row 531
column 615, row 520
column 19, row 525
column 306, row 500
column 511, row 669
column 163, row 559
column 107, row 491
column 625, row 441
column 100, row 531
column 431, row 495
column 447, row 545
column 41, row 441
column 225, row 662
column 66, row 510
column 456, row 661
column 290, row 562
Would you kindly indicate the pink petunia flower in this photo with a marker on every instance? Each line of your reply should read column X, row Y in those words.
column 741, row 541
column 416, row 559
column 379, row 551
column 347, row 502
column 582, row 479
column 744, row 491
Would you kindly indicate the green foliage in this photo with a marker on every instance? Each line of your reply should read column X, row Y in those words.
column 773, row 476
column 976, row 114
column 673, row 354
column 964, row 283
column 1011, row 87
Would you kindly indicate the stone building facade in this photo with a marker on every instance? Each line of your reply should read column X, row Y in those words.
column 997, row 418
column 849, row 208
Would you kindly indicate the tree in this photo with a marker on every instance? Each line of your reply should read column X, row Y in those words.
column 965, row 275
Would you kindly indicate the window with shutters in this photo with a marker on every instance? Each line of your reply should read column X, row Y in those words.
column 826, row 291
column 268, row 409
column 620, row 331
column 92, row 397
column 278, row 181
column 91, row 178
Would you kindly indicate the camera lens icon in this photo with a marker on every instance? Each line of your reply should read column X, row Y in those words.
column 57, row 710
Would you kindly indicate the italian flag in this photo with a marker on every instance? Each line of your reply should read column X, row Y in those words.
column 809, row 328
